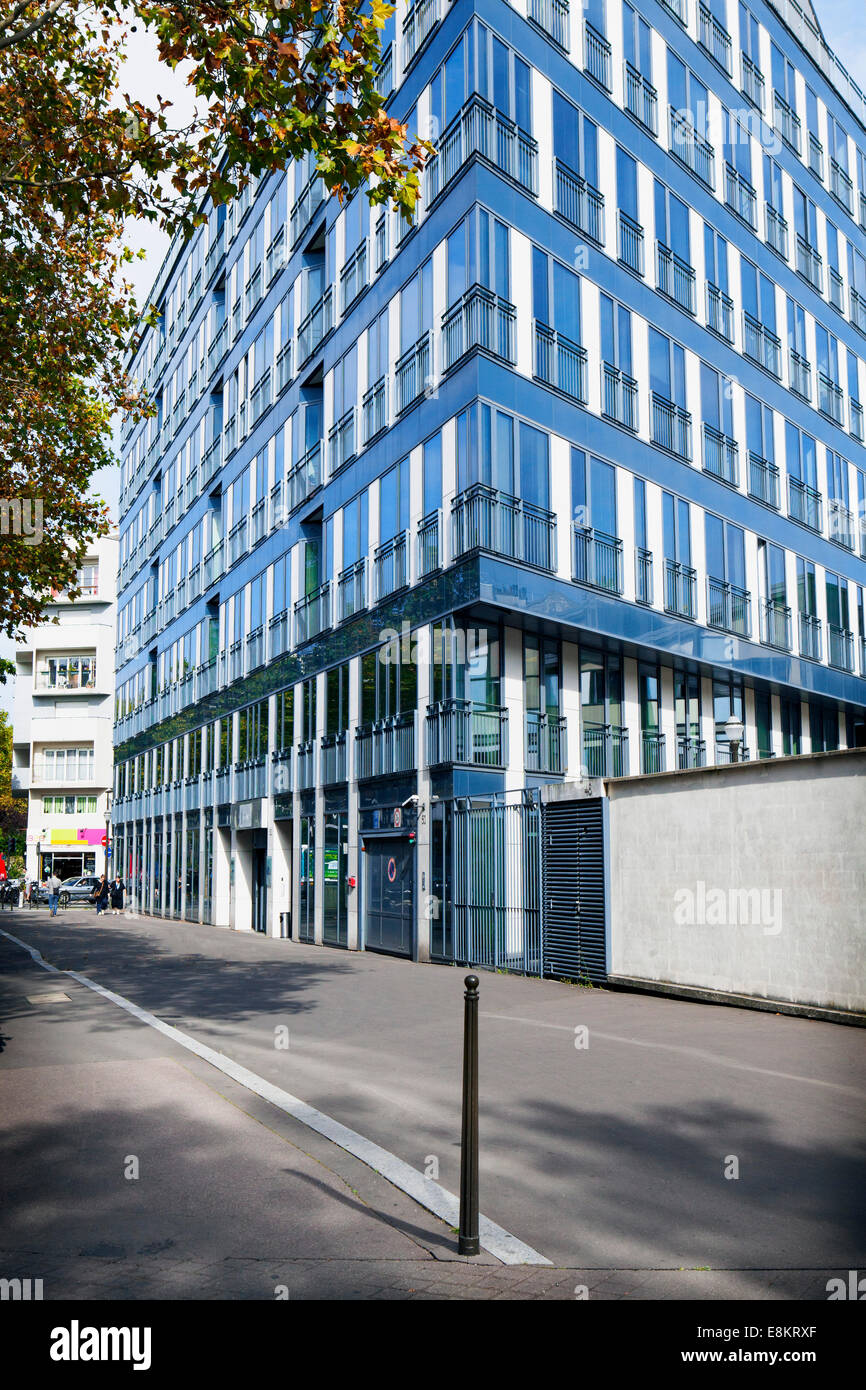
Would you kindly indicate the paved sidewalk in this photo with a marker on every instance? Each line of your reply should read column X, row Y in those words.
column 235, row 1198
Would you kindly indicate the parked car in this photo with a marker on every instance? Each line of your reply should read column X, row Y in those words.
column 72, row 890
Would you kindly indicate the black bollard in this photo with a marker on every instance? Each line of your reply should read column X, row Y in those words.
column 468, row 1242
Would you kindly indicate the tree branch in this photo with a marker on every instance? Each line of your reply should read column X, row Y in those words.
column 35, row 24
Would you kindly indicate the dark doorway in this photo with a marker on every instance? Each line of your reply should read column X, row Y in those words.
column 335, row 931
column 260, row 890
column 390, row 896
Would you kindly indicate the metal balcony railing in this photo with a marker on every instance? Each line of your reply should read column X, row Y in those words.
column 304, row 477
column 255, row 649
column 253, row 292
column 391, row 565
column 804, row 504
column 857, row 309
column 605, row 750
column 691, row 148
column 466, row 734
column 841, row 186
column 777, row 231
column 671, row 426
column 641, row 98
column 313, row 614
column 855, row 428
column 284, row 367
column 578, row 202
column 305, row 762
column 596, row 56
column 652, row 752
column 479, row 319
column 375, row 409
column 762, row 345
column 728, row 607
column 480, row 130
column 421, row 19
column 619, row 396
column 310, row 200
column 811, row 644
column 261, row 396
column 775, row 624
column 836, row 289
column 721, row 455
column 722, row 753
column 787, row 122
column 428, row 543
column 809, row 263
column 278, row 635
column 840, row 523
column 238, row 540
column 597, row 559
column 840, row 647
column 315, row 326
column 675, row 278
column 483, row 518
column 352, row 590
column 714, row 38
column 341, row 441
column 643, row 576
column 546, row 748
column 630, row 242
column 763, row 480
column 277, row 255
column 800, row 375
column 680, row 589
column 831, row 400
column 559, row 362
column 678, row 8
column 354, row 276
column 552, row 17
column 741, row 197
column 720, row 312
column 816, row 157
column 413, row 373
column 752, row 81
column 333, row 762
column 386, row 747
column 691, row 752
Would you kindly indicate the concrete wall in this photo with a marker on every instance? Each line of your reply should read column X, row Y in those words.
column 749, row 879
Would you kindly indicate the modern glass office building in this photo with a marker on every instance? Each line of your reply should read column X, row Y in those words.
column 552, row 484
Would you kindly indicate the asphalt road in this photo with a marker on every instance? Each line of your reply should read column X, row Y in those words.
column 605, row 1157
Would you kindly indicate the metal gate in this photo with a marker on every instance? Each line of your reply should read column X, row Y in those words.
column 496, row 882
column 573, row 889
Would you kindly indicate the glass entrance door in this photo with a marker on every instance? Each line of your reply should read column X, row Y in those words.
column 390, row 895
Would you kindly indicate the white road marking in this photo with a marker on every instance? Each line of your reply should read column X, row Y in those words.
column 421, row 1189
column 696, row 1052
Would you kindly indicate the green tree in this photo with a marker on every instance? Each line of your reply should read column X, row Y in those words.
column 13, row 809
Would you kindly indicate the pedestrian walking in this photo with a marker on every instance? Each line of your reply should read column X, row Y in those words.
column 54, row 886
column 101, row 895
column 117, row 891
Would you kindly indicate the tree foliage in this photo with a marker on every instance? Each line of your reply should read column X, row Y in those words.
column 273, row 81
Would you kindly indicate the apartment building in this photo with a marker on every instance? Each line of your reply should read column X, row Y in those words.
column 62, row 723
column 565, row 480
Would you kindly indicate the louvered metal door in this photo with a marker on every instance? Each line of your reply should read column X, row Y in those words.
column 573, row 879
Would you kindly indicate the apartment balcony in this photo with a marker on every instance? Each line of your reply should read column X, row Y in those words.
column 811, row 645
column 413, row 373
column 678, row 8
column 840, row 648
column 309, row 202
column 857, row 310
column 809, row 264
column 675, row 278
column 354, row 277
column 714, row 39
column 763, row 480
column 578, row 202
column 691, row 752
column 722, row 754
column 720, row 312
column 643, row 576
column 552, row 17
column 386, row 748
column 630, row 242
column 479, row 319
column 652, row 752
column 459, row 732
column 741, row 197
column 777, row 231
column 597, row 559
column 429, row 558
column 762, row 345
column 787, row 122
column 313, row 614
column 559, row 362
column 799, row 375
column 484, row 519
column 816, row 157
column 641, row 99
column 680, row 596
column 333, row 761
column 596, row 56
column 278, row 635
column 855, row 428
column 421, row 19
column 50, row 772
column 284, row 367
column 67, row 676
column 386, row 73
column 775, row 624
column 341, row 441
column 546, row 745
column 841, row 187
column 304, row 477
column 836, row 290
column 391, row 565
column 375, row 409
column 721, row 456
column 671, row 426
column 605, row 750
column 751, row 81
column 352, row 590
column 306, row 765
column 315, row 326
column 619, row 397
column 479, row 129
column 728, row 607
column 831, row 400
column 691, row 148
column 840, row 523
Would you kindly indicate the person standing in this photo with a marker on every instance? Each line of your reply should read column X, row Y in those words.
column 117, row 890
column 101, row 895
column 54, row 886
